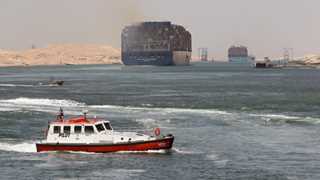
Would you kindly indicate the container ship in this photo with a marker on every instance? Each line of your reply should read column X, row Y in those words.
column 239, row 55
column 156, row 43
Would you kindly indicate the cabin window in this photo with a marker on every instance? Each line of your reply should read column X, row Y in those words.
column 88, row 129
column 56, row 129
column 107, row 125
column 77, row 129
column 100, row 127
column 66, row 129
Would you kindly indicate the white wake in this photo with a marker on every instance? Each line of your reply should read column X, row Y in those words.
column 51, row 105
column 21, row 147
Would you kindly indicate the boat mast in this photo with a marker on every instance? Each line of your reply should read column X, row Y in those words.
column 85, row 112
column 60, row 116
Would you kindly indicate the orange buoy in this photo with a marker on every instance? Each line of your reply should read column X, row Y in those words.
column 157, row 131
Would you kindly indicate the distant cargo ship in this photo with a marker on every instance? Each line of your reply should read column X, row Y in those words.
column 239, row 55
column 156, row 43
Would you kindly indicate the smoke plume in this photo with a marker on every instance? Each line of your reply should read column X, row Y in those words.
column 114, row 15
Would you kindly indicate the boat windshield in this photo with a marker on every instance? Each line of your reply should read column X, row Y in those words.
column 108, row 127
column 100, row 127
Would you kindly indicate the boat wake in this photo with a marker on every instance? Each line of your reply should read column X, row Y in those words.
column 29, row 85
column 173, row 150
column 16, row 85
column 41, row 102
column 220, row 163
column 144, row 152
column 276, row 116
column 41, row 105
column 26, row 147
column 184, row 152
column 285, row 119
column 167, row 110
column 51, row 105
column 117, row 173
column 73, row 107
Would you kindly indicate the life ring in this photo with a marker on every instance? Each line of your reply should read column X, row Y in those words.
column 157, row 131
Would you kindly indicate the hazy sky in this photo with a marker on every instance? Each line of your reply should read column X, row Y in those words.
column 265, row 26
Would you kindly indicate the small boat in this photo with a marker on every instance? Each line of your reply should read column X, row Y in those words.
column 52, row 83
column 56, row 83
column 97, row 136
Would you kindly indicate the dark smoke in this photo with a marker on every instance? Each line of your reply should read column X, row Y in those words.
column 114, row 15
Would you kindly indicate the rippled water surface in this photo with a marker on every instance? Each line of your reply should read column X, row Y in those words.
column 230, row 122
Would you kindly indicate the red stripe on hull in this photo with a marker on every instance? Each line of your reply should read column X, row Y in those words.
column 164, row 144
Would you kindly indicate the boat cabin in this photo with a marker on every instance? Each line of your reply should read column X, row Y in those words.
column 82, row 130
column 79, row 125
column 79, row 130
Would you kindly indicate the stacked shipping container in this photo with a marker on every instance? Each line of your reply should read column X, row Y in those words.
column 156, row 43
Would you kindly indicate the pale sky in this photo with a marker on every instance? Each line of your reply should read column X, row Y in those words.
column 264, row 26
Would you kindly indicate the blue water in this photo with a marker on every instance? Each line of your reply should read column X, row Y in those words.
column 230, row 122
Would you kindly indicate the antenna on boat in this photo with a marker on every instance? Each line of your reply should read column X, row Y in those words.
column 85, row 112
column 60, row 115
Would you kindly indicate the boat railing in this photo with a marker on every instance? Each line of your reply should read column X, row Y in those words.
column 139, row 131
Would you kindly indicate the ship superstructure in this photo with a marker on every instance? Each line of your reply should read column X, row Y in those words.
column 239, row 55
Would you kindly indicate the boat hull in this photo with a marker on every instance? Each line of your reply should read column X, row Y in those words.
column 160, row 144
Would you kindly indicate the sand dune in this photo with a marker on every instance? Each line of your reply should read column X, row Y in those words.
column 62, row 54
column 312, row 59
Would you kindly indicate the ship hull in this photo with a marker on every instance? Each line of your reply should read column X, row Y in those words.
column 156, row 58
column 240, row 60
column 160, row 144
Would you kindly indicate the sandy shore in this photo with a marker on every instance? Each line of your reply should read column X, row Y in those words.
column 62, row 54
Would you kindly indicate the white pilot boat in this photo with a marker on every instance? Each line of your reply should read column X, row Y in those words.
column 97, row 135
